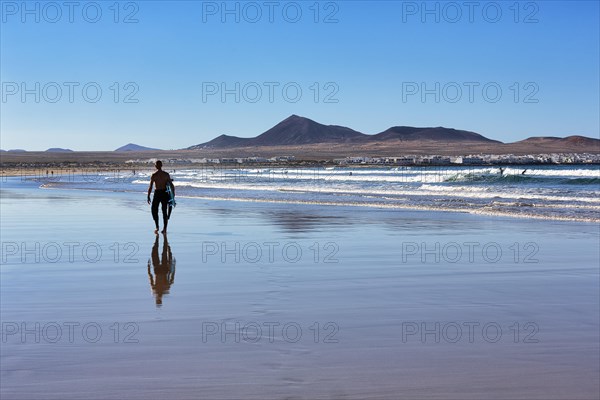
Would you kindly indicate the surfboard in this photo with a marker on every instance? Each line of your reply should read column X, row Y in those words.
column 171, row 203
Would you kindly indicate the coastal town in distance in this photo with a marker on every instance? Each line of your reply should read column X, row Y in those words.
column 419, row 160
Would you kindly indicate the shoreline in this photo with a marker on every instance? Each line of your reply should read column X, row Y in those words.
column 354, row 205
column 275, row 186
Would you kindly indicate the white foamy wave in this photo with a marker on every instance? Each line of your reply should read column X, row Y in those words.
column 488, row 193
column 551, row 194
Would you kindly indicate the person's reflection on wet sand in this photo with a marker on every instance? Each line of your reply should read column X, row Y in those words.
column 164, row 270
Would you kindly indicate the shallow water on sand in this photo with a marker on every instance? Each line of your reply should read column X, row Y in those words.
column 291, row 301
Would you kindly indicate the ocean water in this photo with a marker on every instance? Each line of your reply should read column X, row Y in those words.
column 545, row 192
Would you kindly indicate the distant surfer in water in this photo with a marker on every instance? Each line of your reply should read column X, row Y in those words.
column 160, row 179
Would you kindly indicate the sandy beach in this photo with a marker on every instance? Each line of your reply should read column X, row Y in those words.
column 374, row 200
column 271, row 301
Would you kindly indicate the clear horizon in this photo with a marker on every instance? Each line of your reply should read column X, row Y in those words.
column 175, row 74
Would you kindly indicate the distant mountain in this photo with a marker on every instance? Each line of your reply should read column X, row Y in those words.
column 438, row 134
column 582, row 141
column 298, row 131
column 134, row 147
column 222, row 142
column 17, row 151
column 58, row 150
column 570, row 141
column 292, row 131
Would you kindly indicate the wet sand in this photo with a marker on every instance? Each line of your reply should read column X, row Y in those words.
column 274, row 301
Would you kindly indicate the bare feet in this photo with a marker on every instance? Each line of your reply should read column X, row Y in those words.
column 156, row 231
column 164, row 231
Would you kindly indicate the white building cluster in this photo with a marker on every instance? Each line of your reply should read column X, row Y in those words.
column 470, row 159
column 475, row 159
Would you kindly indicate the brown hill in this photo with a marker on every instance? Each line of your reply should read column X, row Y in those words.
column 438, row 134
column 222, row 142
column 574, row 141
column 298, row 131
column 292, row 131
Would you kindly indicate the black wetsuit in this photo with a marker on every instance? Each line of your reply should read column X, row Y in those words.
column 160, row 196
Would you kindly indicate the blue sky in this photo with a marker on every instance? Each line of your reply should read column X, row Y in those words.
column 507, row 70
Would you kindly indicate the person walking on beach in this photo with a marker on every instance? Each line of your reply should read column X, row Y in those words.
column 160, row 179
